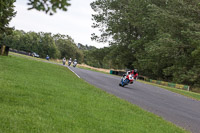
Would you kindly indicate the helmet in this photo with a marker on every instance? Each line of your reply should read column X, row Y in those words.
column 135, row 70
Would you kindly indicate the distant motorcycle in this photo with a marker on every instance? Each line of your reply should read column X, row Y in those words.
column 74, row 63
column 126, row 79
column 69, row 62
column 64, row 61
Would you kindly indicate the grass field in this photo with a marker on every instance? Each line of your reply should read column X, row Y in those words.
column 38, row 97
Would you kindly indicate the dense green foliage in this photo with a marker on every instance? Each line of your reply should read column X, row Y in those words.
column 48, row 98
column 159, row 37
column 95, row 58
column 56, row 46
column 49, row 6
column 85, row 47
column 115, row 56
column 6, row 14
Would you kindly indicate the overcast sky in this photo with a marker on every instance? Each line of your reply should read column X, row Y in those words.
column 76, row 22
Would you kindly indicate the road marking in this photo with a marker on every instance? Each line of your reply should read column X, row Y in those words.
column 73, row 72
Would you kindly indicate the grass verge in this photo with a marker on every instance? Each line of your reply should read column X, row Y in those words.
column 190, row 94
column 47, row 98
column 59, row 61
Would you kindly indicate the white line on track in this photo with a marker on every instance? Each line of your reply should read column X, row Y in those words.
column 73, row 71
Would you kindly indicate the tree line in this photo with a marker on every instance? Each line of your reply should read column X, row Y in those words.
column 56, row 46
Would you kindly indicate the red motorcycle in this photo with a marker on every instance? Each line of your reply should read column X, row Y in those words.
column 126, row 79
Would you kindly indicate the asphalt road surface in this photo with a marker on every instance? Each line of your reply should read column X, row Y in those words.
column 178, row 109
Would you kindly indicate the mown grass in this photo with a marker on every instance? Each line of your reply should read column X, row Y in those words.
column 179, row 91
column 41, row 97
column 56, row 61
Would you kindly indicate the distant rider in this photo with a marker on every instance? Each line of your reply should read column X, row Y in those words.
column 47, row 57
column 64, row 61
column 75, row 63
column 69, row 61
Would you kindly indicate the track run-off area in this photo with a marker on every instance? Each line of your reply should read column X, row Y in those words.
column 176, row 108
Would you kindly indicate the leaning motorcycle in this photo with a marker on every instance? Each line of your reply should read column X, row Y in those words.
column 125, row 80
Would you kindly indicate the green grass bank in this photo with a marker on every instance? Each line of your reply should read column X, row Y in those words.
column 37, row 97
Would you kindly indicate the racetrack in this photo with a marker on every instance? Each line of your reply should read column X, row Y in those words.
column 178, row 109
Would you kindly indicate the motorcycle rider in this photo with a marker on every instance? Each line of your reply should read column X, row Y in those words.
column 75, row 62
column 126, row 79
column 69, row 61
column 131, row 76
column 64, row 60
column 135, row 73
column 47, row 58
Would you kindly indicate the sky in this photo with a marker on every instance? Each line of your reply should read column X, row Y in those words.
column 76, row 22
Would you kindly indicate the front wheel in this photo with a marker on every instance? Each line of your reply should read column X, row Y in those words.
column 122, row 83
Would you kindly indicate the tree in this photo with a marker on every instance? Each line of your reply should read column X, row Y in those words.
column 85, row 47
column 67, row 47
column 49, row 6
column 6, row 14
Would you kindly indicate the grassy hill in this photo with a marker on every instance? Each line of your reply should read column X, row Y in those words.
column 47, row 98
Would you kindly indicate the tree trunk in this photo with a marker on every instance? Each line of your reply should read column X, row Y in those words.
column 4, row 50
